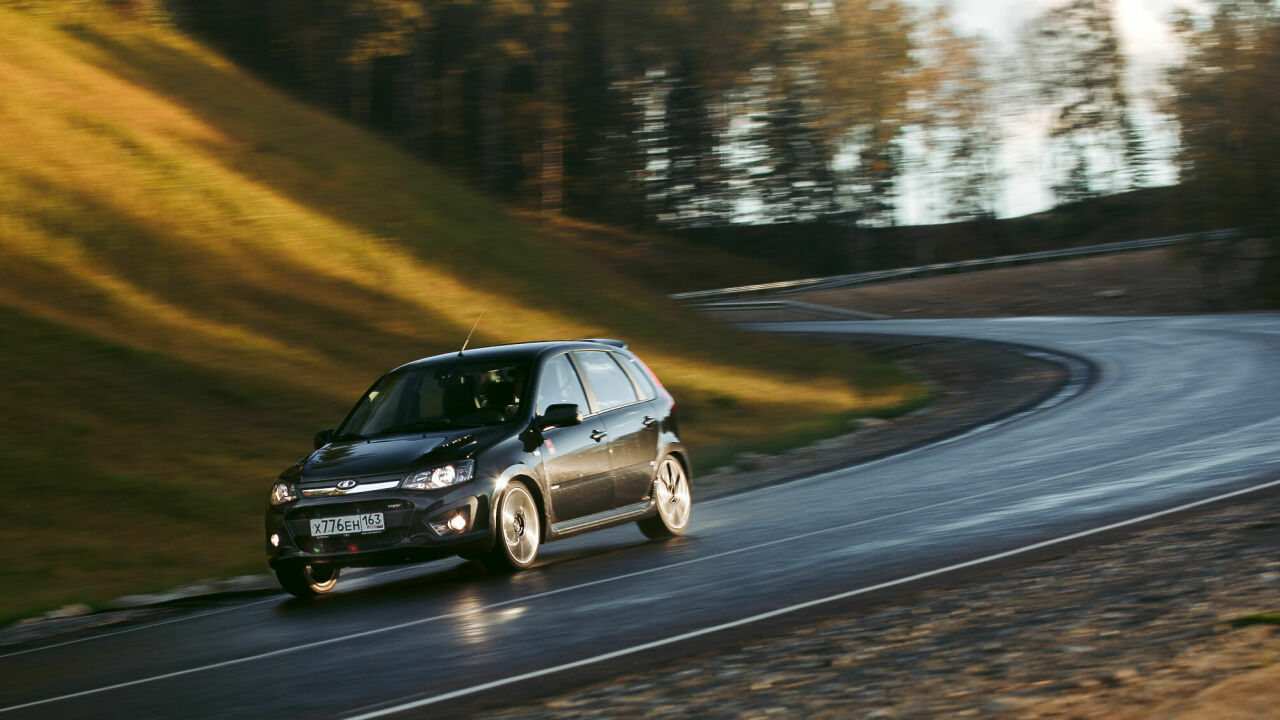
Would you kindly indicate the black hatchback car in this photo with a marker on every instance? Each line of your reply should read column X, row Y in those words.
column 486, row 454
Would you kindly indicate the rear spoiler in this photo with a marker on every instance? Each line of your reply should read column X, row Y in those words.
column 621, row 345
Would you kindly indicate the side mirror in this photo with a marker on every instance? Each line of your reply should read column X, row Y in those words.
column 323, row 437
column 561, row 415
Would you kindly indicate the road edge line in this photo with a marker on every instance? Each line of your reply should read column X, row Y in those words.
column 415, row 704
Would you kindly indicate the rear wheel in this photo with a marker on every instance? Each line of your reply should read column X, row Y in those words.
column 306, row 581
column 674, row 500
column 519, row 531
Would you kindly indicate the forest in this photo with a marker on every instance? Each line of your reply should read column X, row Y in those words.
column 702, row 116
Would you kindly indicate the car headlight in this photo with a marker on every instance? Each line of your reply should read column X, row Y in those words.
column 282, row 493
column 440, row 477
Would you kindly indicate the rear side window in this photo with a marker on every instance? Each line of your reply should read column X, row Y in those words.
column 610, row 384
column 560, row 384
column 639, row 377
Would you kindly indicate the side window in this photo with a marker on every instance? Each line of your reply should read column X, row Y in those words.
column 610, row 384
column 639, row 377
column 560, row 384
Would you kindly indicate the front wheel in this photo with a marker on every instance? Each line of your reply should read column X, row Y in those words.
column 307, row 581
column 674, row 500
column 519, row 531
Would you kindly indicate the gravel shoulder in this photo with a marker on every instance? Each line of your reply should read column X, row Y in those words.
column 1137, row 627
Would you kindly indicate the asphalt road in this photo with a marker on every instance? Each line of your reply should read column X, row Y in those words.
column 1179, row 411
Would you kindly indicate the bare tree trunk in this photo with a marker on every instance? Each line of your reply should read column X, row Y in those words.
column 419, row 134
column 490, row 120
column 359, row 105
column 551, row 172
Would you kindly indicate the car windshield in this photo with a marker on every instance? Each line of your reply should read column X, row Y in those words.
column 438, row 397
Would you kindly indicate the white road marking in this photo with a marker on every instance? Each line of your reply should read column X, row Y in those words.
column 358, row 582
column 462, row 613
column 683, row 563
column 637, row 573
column 414, row 704
column 1162, row 452
column 1071, row 388
column 136, row 629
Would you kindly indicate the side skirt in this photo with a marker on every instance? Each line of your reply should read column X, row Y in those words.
column 599, row 520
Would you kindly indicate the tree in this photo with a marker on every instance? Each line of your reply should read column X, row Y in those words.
column 1226, row 99
column 607, row 107
column 955, row 119
column 1074, row 52
column 864, row 56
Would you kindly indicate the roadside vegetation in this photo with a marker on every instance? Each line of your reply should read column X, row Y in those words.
column 200, row 272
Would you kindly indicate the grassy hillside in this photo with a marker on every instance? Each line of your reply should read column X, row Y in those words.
column 200, row 272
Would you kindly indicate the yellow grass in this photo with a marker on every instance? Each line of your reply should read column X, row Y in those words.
column 163, row 211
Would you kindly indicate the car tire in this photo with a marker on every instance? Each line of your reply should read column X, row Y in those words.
column 307, row 581
column 519, row 531
column 673, row 499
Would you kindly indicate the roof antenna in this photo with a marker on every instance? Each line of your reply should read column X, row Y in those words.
column 473, row 329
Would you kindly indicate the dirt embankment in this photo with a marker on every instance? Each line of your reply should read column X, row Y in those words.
column 1151, row 282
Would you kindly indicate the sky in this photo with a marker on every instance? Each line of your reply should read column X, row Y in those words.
column 1149, row 46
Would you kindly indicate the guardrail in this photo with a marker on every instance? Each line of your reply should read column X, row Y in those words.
column 787, row 287
column 810, row 308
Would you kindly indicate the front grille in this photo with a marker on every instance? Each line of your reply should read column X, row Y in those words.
column 368, row 483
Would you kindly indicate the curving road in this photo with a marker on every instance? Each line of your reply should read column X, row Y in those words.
column 1179, row 411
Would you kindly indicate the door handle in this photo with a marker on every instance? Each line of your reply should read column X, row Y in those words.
column 598, row 435
column 648, row 421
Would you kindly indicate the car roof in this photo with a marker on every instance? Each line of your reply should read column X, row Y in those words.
column 520, row 351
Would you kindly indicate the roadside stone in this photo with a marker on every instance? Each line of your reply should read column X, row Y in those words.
column 66, row 611
column 1124, row 675
column 1112, row 293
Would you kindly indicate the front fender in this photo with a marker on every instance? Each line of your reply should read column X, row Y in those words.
column 533, row 478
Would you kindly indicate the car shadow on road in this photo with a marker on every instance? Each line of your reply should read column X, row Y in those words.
column 451, row 581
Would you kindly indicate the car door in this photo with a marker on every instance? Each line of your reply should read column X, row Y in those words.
column 575, row 459
column 635, row 448
column 626, row 407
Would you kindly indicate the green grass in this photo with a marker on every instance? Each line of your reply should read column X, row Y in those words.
column 1257, row 619
column 201, row 272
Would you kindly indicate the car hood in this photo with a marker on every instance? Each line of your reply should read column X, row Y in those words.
column 377, row 456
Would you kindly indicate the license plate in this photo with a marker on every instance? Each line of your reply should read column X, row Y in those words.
column 348, row 525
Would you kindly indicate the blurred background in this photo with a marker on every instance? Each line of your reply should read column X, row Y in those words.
column 816, row 119
column 220, row 220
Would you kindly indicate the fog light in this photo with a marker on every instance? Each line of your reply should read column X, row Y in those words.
column 275, row 540
column 454, row 523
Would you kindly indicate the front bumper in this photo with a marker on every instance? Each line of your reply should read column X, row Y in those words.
column 414, row 528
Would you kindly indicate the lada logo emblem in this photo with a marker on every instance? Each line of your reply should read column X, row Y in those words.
column 347, row 484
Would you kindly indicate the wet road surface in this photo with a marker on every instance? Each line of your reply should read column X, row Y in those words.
column 1177, row 411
